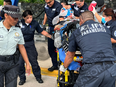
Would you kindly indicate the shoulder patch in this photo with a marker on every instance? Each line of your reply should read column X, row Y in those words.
column 115, row 33
column 46, row 7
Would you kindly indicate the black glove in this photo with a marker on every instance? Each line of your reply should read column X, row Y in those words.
column 44, row 27
column 52, row 36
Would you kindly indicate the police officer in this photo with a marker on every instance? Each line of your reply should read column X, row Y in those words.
column 10, row 38
column 28, row 27
column 52, row 9
column 94, row 41
column 79, row 7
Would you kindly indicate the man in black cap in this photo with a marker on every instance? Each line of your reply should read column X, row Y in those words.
column 10, row 38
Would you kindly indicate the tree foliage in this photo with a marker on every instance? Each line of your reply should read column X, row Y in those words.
column 1, row 2
column 32, row 1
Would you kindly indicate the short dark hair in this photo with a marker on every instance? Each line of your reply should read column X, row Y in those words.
column 87, row 15
column 64, row 1
column 8, row 2
column 110, row 12
column 26, row 13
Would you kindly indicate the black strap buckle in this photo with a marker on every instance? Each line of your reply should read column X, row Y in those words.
column 7, row 58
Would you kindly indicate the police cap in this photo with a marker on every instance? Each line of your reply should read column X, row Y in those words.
column 13, row 11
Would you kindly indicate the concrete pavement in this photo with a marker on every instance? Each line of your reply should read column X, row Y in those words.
column 49, row 78
column 31, row 82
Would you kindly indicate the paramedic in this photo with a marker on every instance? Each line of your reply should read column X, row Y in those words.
column 98, row 68
column 52, row 9
column 28, row 26
column 108, row 19
column 79, row 7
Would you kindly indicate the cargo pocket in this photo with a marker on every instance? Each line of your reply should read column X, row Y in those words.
column 112, row 70
column 88, row 73
column 2, row 66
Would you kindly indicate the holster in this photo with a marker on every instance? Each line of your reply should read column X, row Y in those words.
column 16, row 56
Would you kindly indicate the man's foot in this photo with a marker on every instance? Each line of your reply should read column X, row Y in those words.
column 52, row 68
column 39, row 80
column 21, row 82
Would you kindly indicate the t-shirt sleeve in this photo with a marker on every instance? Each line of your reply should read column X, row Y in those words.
column 38, row 28
column 45, row 7
column 21, row 41
column 113, row 32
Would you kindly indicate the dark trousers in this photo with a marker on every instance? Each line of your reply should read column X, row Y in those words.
column 96, row 75
column 52, row 49
column 9, row 71
column 32, row 55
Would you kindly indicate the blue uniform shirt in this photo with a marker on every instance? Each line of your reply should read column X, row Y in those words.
column 29, row 30
column 94, row 41
column 112, row 27
column 52, row 12
column 77, row 10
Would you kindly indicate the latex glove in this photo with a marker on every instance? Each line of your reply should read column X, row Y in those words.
column 62, row 68
column 94, row 11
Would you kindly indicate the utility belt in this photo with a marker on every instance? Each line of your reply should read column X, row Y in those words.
column 106, row 62
column 6, row 58
column 14, row 57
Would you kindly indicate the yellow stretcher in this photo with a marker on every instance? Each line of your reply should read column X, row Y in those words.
column 68, row 78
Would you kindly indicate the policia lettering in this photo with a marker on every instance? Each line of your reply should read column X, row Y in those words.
column 91, row 28
column 91, row 71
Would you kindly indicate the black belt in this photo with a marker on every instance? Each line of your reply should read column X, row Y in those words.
column 6, row 58
column 107, row 62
